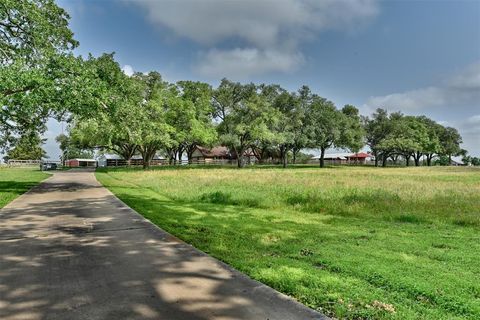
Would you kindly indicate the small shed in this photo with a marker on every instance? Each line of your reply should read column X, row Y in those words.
column 208, row 155
column 77, row 163
column 358, row 158
column 110, row 159
column 334, row 158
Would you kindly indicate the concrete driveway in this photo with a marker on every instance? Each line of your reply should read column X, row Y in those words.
column 69, row 249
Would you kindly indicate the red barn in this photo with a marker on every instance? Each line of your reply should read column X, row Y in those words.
column 360, row 158
column 77, row 163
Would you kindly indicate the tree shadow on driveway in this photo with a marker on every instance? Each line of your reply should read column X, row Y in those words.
column 71, row 250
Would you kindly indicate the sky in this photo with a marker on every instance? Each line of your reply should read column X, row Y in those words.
column 417, row 57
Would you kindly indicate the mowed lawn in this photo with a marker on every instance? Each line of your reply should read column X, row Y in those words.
column 15, row 181
column 359, row 243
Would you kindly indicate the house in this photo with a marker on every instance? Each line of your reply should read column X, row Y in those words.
column 359, row 158
column 202, row 154
column 77, row 163
column 110, row 160
column 456, row 163
column 334, row 158
column 345, row 158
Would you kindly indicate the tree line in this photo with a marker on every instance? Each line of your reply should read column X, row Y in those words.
column 148, row 114
column 40, row 78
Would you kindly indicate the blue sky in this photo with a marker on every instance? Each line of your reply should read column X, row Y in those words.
column 419, row 57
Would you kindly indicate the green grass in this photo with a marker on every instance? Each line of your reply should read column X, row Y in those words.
column 15, row 181
column 354, row 243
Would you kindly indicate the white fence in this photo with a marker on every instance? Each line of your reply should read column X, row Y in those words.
column 23, row 163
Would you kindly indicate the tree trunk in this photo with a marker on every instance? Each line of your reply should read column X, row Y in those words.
column 147, row 154
column 189, row 156
column 429, row 160
column 322, row 157
column 407, row 160
column 295, row 152
column 384, row 160
column 240, row 162
column 449, row 159
column 394, row 159
column 283, row 155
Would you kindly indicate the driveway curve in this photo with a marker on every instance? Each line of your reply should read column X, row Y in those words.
column 69, row 249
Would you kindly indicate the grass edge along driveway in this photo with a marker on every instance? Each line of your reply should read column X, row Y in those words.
column 16, row 181
column 350, row 242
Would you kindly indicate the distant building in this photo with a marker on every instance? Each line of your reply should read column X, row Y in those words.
column 334, row 158
column 345, row 158
column 110, row 160
column 359, row 158
column 78, row 163
column 202, row 154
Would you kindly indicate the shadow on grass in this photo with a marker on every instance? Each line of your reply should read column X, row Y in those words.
column 235, row 235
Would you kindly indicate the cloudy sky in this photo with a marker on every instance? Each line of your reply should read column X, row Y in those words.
column 419, row 57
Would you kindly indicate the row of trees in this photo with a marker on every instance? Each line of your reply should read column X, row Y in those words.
column 40, row 78
column 147, row 114
column 396, row 135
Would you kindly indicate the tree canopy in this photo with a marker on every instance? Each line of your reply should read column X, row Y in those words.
column 106, row 109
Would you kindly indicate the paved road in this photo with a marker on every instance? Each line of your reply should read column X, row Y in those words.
column 71, row 250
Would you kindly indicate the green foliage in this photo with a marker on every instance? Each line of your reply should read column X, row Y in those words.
column 27, row 147
column 33, row 30
column 190, row 114
column 151, row 131
column 324, row 123
column 443, row 161
column 352, row 134
column 41, row 78
column 248, row 122
column 450, row 141
column 35, row 42
column 70, row 150
column 410, row 137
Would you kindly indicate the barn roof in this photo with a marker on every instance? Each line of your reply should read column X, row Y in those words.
column 359, row 155
column 337, row 156
column 219, row 151
column 110, row 156
column 85, row 160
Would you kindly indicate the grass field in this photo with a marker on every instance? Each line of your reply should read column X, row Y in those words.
column 400, row 243
column 15, row 181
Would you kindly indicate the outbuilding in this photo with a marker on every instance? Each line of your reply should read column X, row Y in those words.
column 359, row 158
column 78, row 163
column 202, row 154
column 110, row 160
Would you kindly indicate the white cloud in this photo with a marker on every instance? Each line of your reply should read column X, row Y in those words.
column 470, row 131
column 461, row 89
column 242, row 63
column 266, row 29
column 414, row 99
column 468, row 79
column 128, row 70
column 461, row 93
column 472, row 125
